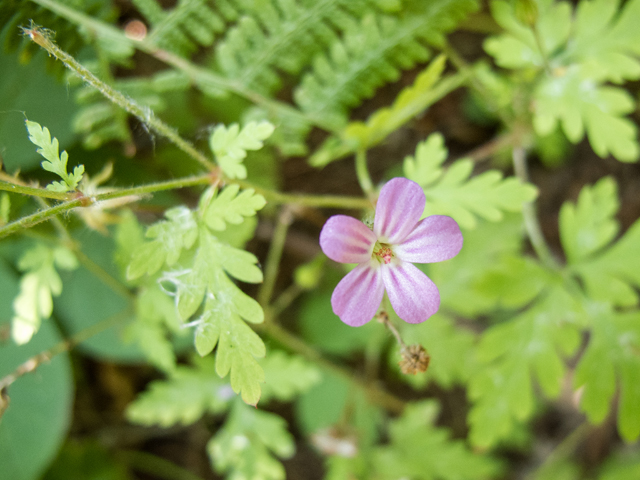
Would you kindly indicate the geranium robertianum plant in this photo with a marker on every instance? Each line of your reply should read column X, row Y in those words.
column 385, row 256
column 215, row 131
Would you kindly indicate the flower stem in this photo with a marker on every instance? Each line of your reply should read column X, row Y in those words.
column 293, row 343
column 33, row 191
column 144, row 114
column 529, row 214
column 65, row 345
column 363, row 173
column 275, row 254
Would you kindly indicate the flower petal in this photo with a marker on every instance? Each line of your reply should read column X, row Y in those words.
column 399, row 208
column 347, row 240
column 413, row 296
column 436, row 238
column 358, row 295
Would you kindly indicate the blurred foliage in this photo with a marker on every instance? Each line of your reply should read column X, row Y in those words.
column 158, row 271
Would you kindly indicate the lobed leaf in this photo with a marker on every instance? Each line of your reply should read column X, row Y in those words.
column 287, row 376
column 230, row 145
column 412, row 435
column 228, row 206
column 169, row 238
column 456, row 193
column 530, row 345
column 54, row 161
column 245, row 446
column 183, row 398
column 40, row 283
column 610, row 272
column 612, row 358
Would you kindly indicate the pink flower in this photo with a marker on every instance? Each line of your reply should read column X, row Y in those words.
column 385, row 256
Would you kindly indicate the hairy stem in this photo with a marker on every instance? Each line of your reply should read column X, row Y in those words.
column 202, row 78
column 33, row 191
column 144, row 114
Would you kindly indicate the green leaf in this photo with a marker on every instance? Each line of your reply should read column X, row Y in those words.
column 245, row 446
column 586, row 230
column 170, row 237
column 612, row 357
column 412, row 435
column 54, row 161
column 485, row 250
column 456, row 193
column 574, row 68
column 229, row 207
column 287, row 376
column 413, row 100
column 188, row 394
column 511, row 353
column 621, row 466
column 230, row 145
column 578, row 104
column 589, row 225
column 39, row 284
column 39, row 414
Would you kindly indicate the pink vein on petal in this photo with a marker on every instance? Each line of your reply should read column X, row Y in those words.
column 436, row 238
column 399, row 208
column 358, row 295
column 413, row 296
column 347, row 240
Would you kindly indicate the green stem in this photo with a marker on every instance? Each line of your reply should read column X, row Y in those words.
column 285, row 299
column 34, row 192
column 563, row 450
column 319, row 201
column 271, row 195
column 65, row 345
column 529, row 214
column 363, row 173
column 203, row 78
column 156, row 466
column 272, row 263
column 105, row 277
column 145, row 114
column 372, row 392
column 83, row 201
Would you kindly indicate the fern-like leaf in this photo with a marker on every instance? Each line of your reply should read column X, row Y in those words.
column 190, row 24
column 282, row 35
column 372, row 52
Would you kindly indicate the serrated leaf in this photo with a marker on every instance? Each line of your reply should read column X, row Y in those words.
column 237, row 348
column 245, row 446
column 55, row 162
column 287, row 376
column 460, row 280
column 230, row 207
column 530, row 345
column 40, row 283
column 586, row 230
column 612, row 357
column 589, row 225
column 574, row 68
column 169, row 238
column 230, row 145
column 183, row 398
column 456, row 193
column 412, row 435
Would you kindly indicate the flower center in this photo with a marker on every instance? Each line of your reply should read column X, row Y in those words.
column 383, row 252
